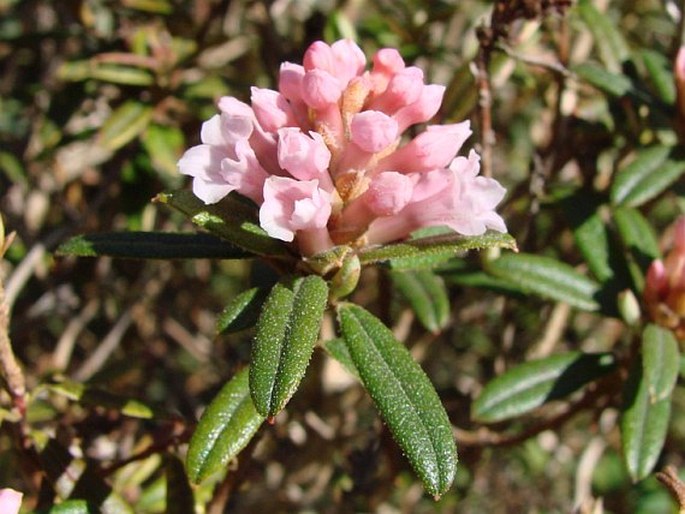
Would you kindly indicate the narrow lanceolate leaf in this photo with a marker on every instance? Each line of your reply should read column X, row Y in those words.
column 124, row 124
column 226, row 426
column 644, row 425
column 243, row 311
column 92, row 396
column 659, row 70
column 659, row 181
column 179, row 494
column 639, row 241
column 633, row 176
column 287, row 331
column 426, row 294
column 531, row 384
column 151, row 245
column 613, row 48
column 428, row 252
column 590, row 233
column 612, row 82
column 232, row 219
column 637, row 234
column 546, row 277
column 404, row 396
column 660, row 361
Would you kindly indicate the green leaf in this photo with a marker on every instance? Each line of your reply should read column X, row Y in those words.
column 92, row 396
column 151, row 245
column 164, row 144
column 179, row 494
column 531, row 384
column 644, row 424
column 233, row 219
column 426, row 294
column 546, row 277
column 660, row 362
column 613, row 48
column 639, row 240
column 614, row 83
column 337, row 348
column 243, row 311
column 152, row 6
column 404, row 396
column 633, row 177
column 118, row 74
column 636, row 233
column 225, row 428
column 71, row 507
column 287, row 331
column 124, row 124
column 428, row 252
column 660, row 73
column 590, row 233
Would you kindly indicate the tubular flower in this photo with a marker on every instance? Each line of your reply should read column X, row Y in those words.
column 10, row 501
column 325, row 159
column 664, row 291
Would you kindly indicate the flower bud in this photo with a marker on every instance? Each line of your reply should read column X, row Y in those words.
column 629, row 307
column 664, row 292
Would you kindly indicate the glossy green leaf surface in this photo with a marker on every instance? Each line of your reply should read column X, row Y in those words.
column 232, row 219
column 227, row 425
column 404, row 396
column 660, row 361
column 125, row 123
column 531, row 384
column 286, row 333
column 428, row 252
column 546, row 277
column 425, row 292
column 243, row 311
column 644, row 424
column 634, row 176
column 151, row 245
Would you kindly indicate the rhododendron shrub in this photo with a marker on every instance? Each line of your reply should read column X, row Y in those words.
column 336, row 170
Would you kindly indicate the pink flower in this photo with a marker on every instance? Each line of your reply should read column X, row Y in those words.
column 455, row 197
column 292, row 206
column 664, row 291
column 679, row 74
column 326, row 161
column 10, row 501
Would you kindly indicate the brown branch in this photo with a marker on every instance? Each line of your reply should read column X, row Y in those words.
column 669, row 477
column 11, row 371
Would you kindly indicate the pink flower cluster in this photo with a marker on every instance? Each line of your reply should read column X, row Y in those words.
column 664, row 291
column 324, row 158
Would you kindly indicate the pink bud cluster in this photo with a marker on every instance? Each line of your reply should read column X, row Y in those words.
column 324, row 157
column 664, row 291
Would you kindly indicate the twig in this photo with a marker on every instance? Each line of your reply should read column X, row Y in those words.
column 669, row 477
column 65, row 346
column 106, row 348
column 11, row 371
